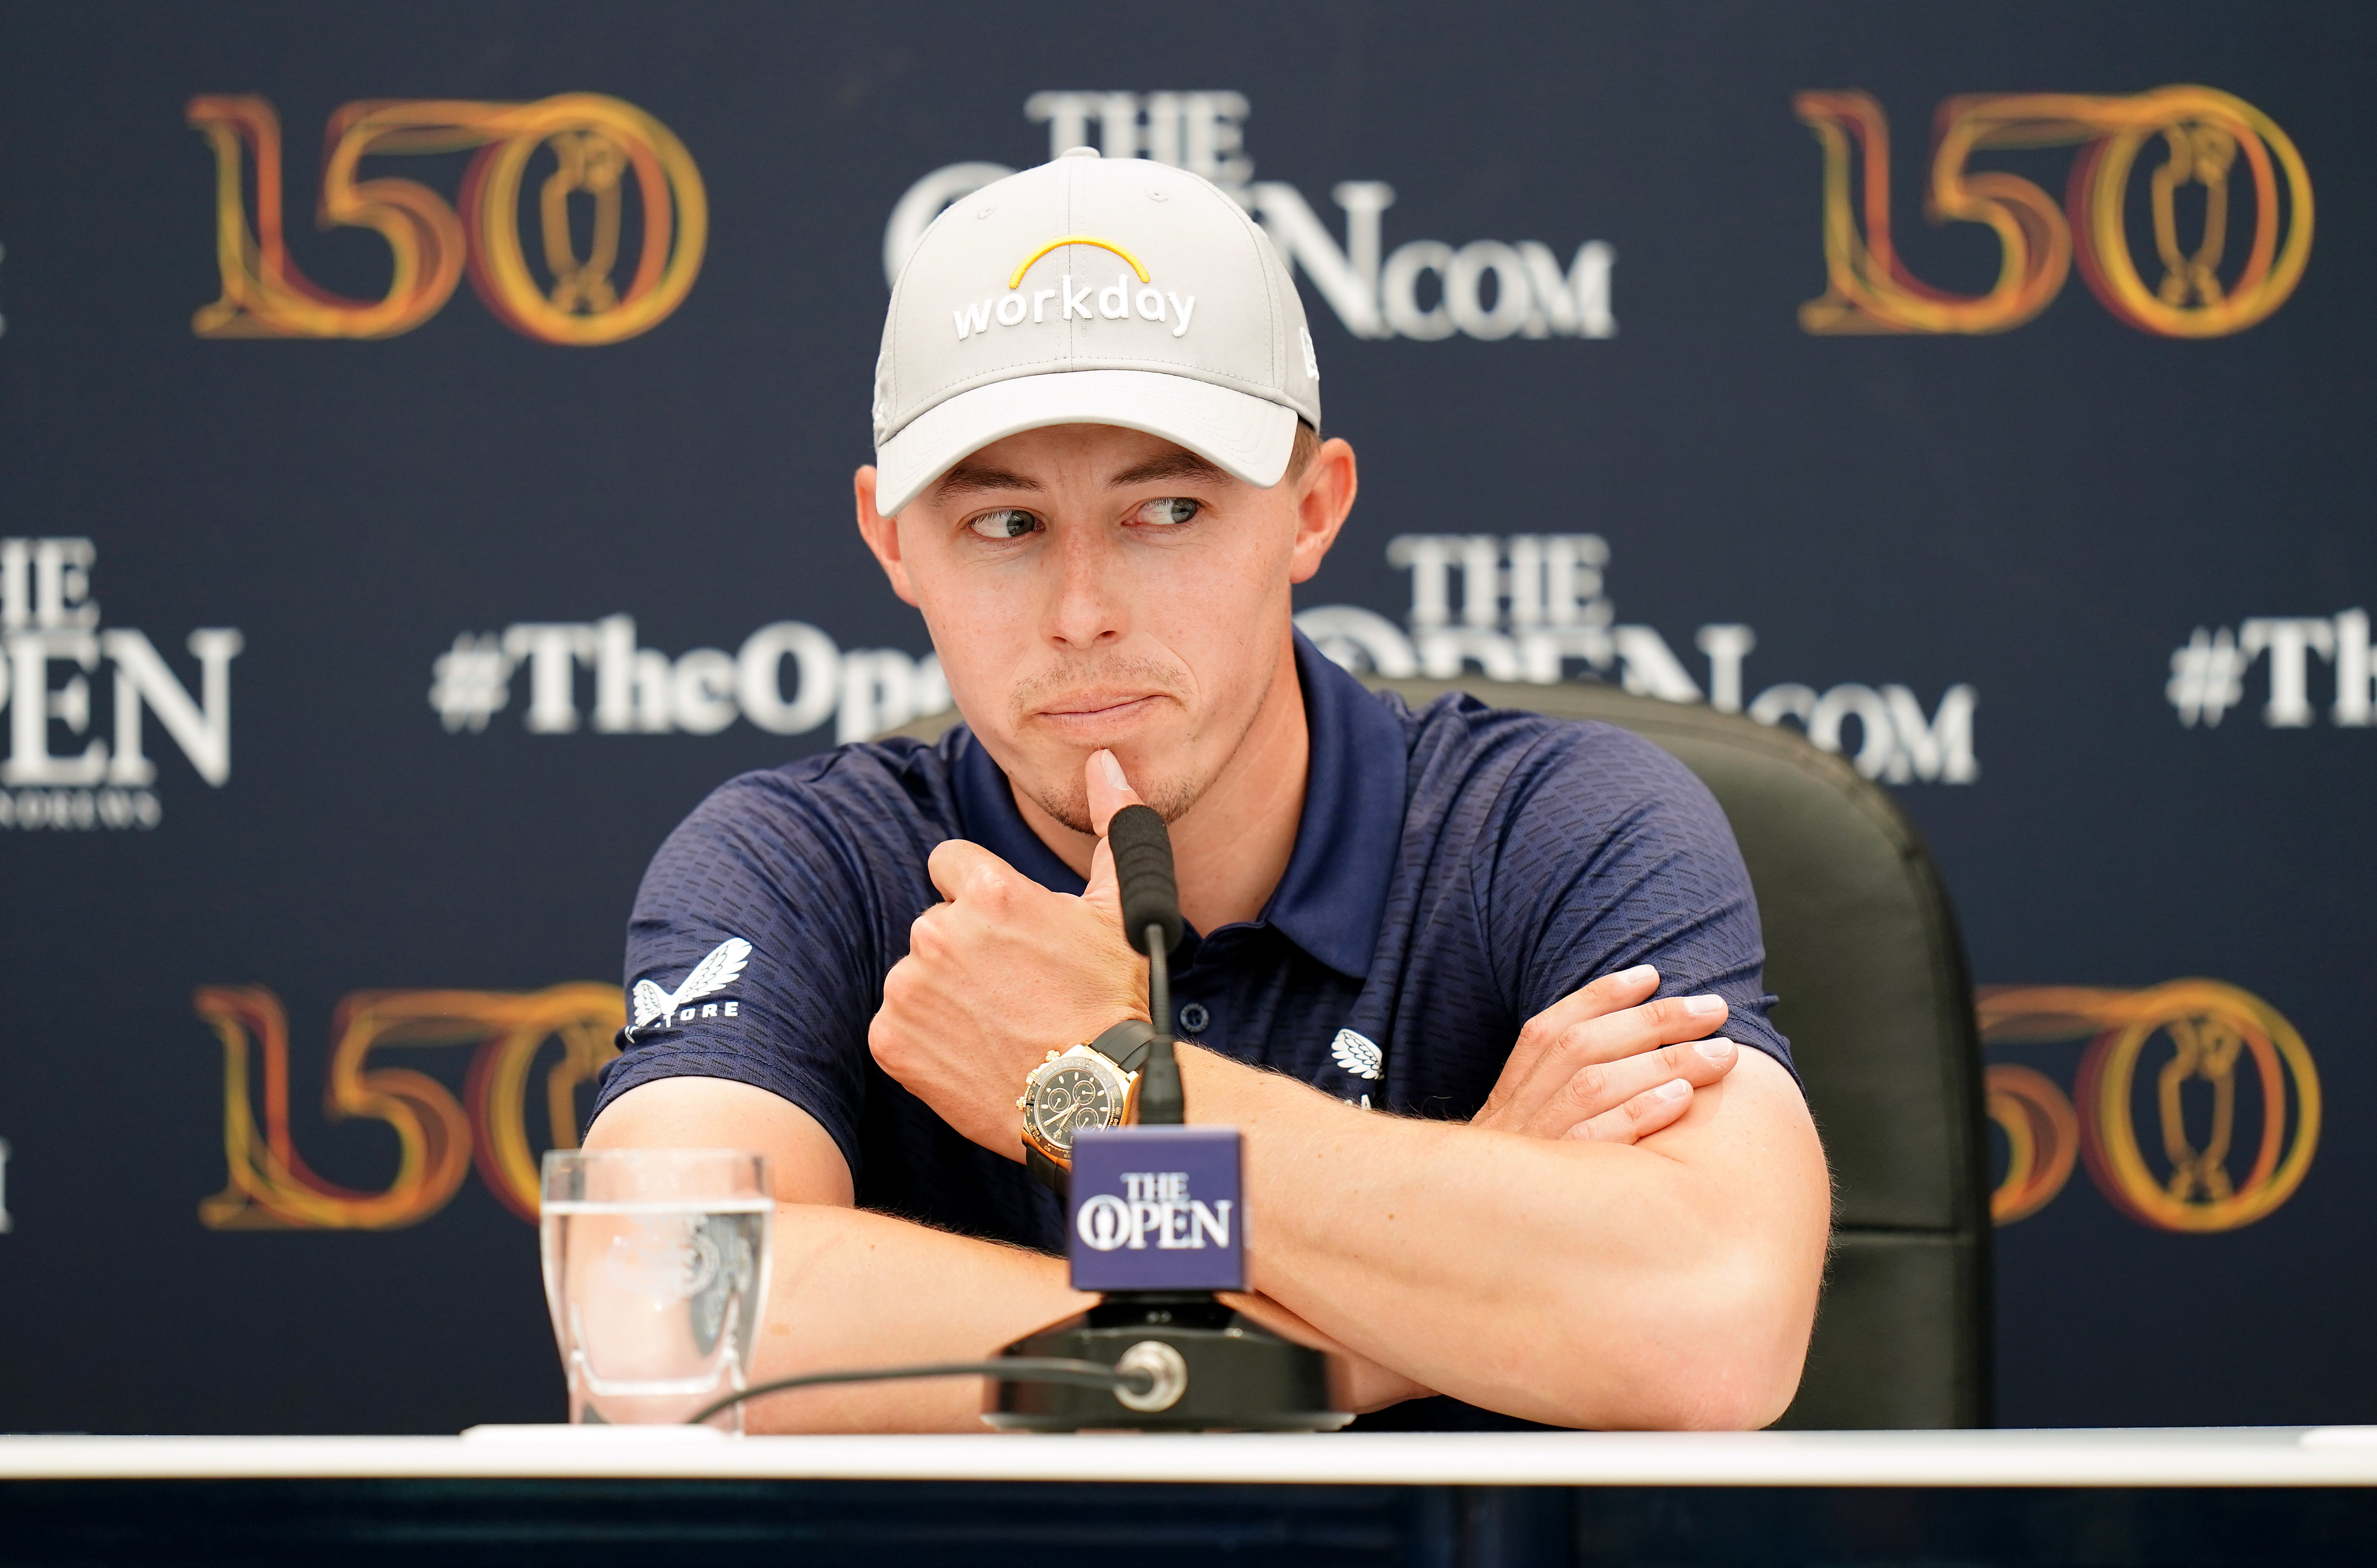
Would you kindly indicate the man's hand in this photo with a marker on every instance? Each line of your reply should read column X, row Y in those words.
column 1002, row 974
column 1603, row 1063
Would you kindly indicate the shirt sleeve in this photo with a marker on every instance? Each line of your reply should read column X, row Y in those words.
column 752, row 955
column 1615, row 854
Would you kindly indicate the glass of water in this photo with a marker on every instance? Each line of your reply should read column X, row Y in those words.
column 656, row 1274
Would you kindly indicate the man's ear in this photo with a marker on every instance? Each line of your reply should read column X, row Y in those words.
column 882, row 534
column 1324, row 495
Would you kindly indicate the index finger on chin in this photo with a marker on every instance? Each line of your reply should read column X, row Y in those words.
column 1109, row 788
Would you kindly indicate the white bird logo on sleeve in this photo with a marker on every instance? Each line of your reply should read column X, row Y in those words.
column 711, row 976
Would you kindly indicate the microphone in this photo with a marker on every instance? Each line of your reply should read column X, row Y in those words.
column 1141, row 847
column 1157, row 1223
column 1143, row 858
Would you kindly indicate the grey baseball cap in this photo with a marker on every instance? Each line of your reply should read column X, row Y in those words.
column 1092, row 291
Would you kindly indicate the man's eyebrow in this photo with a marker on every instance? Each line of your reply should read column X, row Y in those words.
column 967, row 477
column 1170, row 465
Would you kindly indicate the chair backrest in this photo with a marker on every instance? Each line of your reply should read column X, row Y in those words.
column 1862, row 950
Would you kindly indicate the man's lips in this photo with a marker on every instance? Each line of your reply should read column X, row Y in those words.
column 1098, row 707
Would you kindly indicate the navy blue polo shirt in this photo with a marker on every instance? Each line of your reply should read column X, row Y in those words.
column 1456, row 870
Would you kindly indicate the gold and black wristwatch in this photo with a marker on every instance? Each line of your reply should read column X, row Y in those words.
column 1090, row 1086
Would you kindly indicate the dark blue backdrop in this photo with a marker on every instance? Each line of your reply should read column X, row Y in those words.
column 2040, row 515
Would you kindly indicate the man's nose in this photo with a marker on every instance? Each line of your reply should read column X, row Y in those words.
column 1085, row 607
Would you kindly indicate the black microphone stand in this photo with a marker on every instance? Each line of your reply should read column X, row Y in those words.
column 1213, row 1368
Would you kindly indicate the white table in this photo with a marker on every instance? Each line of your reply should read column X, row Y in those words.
column 2194, row 1456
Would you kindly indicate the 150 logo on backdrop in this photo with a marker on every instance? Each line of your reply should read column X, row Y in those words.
column 641, row 691
column 2206, row 290
column 2181, row 1051
column 1532, row 607
column 439, row 1137
column 596, row 149
column 49, row 621
column 1424, row 289
column 2205, row 1059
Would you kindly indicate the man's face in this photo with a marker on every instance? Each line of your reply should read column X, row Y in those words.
column 1088, row 585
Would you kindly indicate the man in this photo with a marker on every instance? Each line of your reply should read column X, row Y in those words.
column 1457, row 975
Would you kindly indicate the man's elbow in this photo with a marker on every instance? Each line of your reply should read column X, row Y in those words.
column 1735, row 1387
column 1729, row 1333
column 1742, row 1390
column 1722, row 1352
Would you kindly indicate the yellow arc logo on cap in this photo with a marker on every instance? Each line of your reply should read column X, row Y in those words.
column 1077, row 240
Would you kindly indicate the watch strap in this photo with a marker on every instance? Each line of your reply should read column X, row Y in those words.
column 1046, row 1171
column 1126, row 1044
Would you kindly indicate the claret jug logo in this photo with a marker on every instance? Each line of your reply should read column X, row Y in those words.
column 2223, row 1078
column 2251, row 237
column 593, row 150
column 48, row 622
column 1114, row 302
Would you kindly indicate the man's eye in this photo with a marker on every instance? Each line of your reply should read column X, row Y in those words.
column 1172, row 510
column 1007, row 523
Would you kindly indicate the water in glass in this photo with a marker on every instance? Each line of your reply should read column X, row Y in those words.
column 656, row 1273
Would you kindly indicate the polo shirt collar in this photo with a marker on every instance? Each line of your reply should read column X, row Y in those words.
column 987, row 814
column 1333, row 897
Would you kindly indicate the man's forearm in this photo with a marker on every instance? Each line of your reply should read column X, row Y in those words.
column 849, row 1288
column 853, row 1289
column 1571, row 1282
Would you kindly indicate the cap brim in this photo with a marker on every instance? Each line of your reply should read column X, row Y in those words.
column 1248, row 437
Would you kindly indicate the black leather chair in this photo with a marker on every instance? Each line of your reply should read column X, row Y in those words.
column 1862, row 950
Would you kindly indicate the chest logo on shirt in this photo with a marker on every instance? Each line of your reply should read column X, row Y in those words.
column 713, row 975
column 1358, row 1054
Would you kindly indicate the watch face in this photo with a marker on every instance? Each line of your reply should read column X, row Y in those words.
column 1069, row 1099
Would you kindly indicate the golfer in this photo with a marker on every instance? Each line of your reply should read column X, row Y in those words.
column 1482, row 989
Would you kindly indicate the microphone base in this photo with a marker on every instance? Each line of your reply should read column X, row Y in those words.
column 1241, row 1377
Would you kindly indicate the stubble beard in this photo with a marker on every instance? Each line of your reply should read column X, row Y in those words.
column 1171, row 798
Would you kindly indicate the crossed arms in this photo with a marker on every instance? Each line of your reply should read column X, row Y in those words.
column 1629, row 1234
